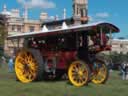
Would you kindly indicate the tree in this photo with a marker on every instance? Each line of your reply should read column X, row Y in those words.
column 3, row 33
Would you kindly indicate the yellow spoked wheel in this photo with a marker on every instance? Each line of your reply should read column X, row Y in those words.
column 100, row 73
column 26, row 66
column 78, row 73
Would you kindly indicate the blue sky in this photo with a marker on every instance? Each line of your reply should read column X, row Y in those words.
column 114, row 11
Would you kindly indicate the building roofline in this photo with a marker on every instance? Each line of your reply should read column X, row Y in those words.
column 120, row 39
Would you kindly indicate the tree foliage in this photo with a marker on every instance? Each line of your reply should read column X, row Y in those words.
column 3, row 35
column 117, row 58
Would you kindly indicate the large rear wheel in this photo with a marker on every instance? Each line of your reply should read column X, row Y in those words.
column 78, row 73
column 28, row 65
column 100, row 73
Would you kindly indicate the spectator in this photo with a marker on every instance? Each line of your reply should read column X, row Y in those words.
column 123, row 71
column 98, row 37
column 10, row 64
column 126, row 72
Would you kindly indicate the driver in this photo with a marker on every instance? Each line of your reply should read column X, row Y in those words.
column 99, row 40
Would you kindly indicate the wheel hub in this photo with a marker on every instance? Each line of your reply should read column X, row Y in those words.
column 80, row 73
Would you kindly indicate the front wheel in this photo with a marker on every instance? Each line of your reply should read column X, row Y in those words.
column 100, row 72
column 28, row 65
column 78, row 73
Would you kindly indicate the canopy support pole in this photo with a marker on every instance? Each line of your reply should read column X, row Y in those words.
column 101, row 39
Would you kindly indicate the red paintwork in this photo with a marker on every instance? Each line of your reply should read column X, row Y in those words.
column 65, row 59
column 104, row 48
column 62, row 58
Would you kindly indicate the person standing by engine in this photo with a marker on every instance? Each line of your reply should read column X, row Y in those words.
column 10, row 64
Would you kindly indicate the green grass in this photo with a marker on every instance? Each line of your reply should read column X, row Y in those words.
column 10, row 87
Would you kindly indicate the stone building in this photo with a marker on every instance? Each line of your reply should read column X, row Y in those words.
column 80, row 8
column 80, row 11
column 120, row 45
column 18, row 24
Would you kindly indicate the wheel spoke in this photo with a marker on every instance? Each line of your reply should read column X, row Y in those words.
column 26, row 66
column 19, row 67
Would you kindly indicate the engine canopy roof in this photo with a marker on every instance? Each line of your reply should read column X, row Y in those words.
column 107, row 27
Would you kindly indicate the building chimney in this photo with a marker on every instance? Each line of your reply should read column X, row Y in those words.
column 15, row 13
column 26, row 12
column 56, row 17
column 4, row 8
column 43, row 16
column 64, row 14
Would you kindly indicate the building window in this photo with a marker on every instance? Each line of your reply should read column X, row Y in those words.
column 13, row 27
column 31, row 28
column 19, row 28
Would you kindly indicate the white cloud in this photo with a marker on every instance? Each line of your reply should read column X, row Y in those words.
column 102, row 15
column 37, row 3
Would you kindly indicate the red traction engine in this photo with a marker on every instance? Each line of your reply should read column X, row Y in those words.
column 71, row 51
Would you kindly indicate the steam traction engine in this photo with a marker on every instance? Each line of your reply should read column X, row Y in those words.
column 66, row 50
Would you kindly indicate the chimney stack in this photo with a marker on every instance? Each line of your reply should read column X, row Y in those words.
column 64, row 14
column 26, row 13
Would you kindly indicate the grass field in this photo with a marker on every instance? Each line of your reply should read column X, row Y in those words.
column 10, row 87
